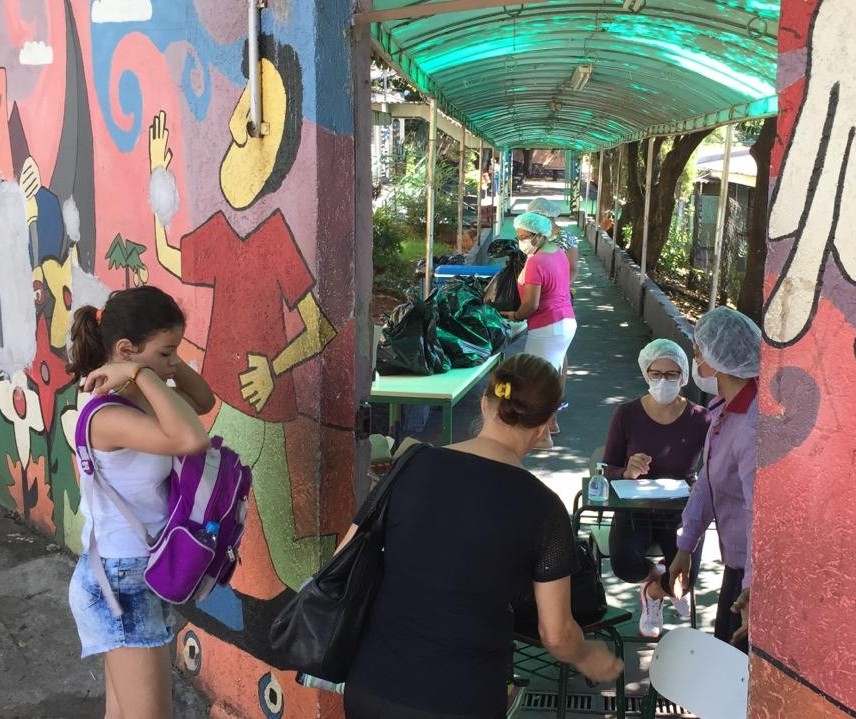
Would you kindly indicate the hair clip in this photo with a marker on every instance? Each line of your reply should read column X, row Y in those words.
column 503, row 390
column 98, row 315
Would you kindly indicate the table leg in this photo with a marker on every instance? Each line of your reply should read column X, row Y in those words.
column 447, row 424
column 394, row 417
column 562, row 698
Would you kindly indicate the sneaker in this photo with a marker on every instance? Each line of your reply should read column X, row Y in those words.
column 651, row 616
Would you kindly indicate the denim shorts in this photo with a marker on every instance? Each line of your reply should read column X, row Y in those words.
column 146, row 619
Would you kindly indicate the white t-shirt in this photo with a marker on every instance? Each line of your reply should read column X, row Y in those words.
column 140, row 479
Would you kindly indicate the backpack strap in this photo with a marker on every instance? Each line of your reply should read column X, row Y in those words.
column 90, row 479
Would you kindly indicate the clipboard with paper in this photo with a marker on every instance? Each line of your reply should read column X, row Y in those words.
column 650, row 488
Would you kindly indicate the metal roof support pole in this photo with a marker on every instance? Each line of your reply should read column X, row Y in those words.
column 479, row 192
column 429, row 196
column 461, row 181
column 599, row 187
column 720, row 215
column 569, row 168
column 649, row 172
column 492, row 173
column 617, row 186
column 500, row 197
column 588, row 186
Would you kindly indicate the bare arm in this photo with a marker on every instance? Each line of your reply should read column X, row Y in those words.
column 174, row 430
column 573, row 256
column 528, row 303
column 563, row 638
column 193, row 389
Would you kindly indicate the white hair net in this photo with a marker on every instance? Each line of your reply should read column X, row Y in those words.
column 665, row 349
column 543, row 206
column 729, row 342
column 536, row 224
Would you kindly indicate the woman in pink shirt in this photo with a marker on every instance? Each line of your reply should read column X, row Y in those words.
column 545, row 302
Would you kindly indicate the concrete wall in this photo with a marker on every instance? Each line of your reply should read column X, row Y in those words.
column 805, row 498
column 96, row 99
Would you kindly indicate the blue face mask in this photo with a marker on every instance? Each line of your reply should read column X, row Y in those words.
column 708, row 385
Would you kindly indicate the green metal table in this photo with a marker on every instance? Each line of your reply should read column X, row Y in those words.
column 443, row 390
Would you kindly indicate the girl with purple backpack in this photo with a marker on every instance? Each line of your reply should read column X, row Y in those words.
column 130, row 349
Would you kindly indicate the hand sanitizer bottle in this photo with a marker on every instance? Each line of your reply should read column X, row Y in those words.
column 598, row 489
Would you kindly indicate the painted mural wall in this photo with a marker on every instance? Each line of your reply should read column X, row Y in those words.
column 126, row 160
column 804, row 588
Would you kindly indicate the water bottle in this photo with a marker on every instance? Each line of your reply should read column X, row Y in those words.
column 598, row 489
column 208, row 534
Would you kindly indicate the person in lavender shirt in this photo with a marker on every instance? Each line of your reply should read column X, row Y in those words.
column 726, row 360
column 658, row 435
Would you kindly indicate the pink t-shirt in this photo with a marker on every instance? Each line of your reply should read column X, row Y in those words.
column 551, row 271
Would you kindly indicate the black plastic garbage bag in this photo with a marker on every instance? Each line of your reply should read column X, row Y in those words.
column 501, row 291
column 502, row 248
column 469, row 330
column 409, row 344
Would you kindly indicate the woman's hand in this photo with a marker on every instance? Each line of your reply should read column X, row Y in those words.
column 110, row 376
column 598, row 663
column 637, row 465
column 679, row 572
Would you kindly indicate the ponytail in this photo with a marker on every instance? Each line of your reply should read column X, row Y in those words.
column 87, row 351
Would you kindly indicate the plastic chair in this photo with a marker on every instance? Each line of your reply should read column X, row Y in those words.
column 680, row 671
column 532, row 658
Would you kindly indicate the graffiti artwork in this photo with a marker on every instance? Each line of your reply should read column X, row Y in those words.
column 145, row 172
column 805, row 495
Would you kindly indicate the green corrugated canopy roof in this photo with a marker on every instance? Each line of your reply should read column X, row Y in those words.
column 506, row 69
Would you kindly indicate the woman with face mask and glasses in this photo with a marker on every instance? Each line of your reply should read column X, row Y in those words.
column 545, row 302
column 659, row 435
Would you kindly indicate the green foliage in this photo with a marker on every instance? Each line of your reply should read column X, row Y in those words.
column 412, row 201
column 675, row 257
column 392, row 273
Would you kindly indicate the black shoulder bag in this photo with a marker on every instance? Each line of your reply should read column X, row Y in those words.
column 319, row 630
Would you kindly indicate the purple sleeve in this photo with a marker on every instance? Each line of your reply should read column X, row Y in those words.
column 615, row 449
column 746, row 464
column 697, row 514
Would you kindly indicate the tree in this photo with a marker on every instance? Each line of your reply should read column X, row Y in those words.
column 666, row 172
column 751, row 298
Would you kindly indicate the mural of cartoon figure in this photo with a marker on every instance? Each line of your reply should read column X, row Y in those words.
column 250, row 351
column 821, row 225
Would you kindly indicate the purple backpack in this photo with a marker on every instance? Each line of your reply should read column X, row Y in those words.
column 208, row 500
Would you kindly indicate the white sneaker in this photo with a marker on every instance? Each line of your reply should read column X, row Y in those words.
column 651, row 616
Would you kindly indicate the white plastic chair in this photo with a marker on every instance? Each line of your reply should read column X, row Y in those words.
column 705, row 675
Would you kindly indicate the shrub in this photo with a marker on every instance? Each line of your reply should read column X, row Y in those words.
column 391, row 272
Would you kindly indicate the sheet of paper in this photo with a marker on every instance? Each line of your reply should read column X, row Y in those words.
column 651, row 488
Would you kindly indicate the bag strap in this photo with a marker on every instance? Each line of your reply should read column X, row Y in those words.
column 377, row 497
column 90, row 479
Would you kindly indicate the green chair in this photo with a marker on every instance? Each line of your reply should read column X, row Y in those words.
column 530, row 656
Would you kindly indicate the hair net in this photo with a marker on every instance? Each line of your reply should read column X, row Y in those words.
column 543, row 206
column 665, row 349
column 536, row 224
column 729, row 342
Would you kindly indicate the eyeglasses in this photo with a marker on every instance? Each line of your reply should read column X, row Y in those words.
column 655, row 375
column 527, row 236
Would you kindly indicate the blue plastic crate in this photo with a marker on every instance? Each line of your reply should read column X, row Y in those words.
column 444, row 273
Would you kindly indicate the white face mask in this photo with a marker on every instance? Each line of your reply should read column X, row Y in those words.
column 664, row 391
column 527, row 247
column 705, row 384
